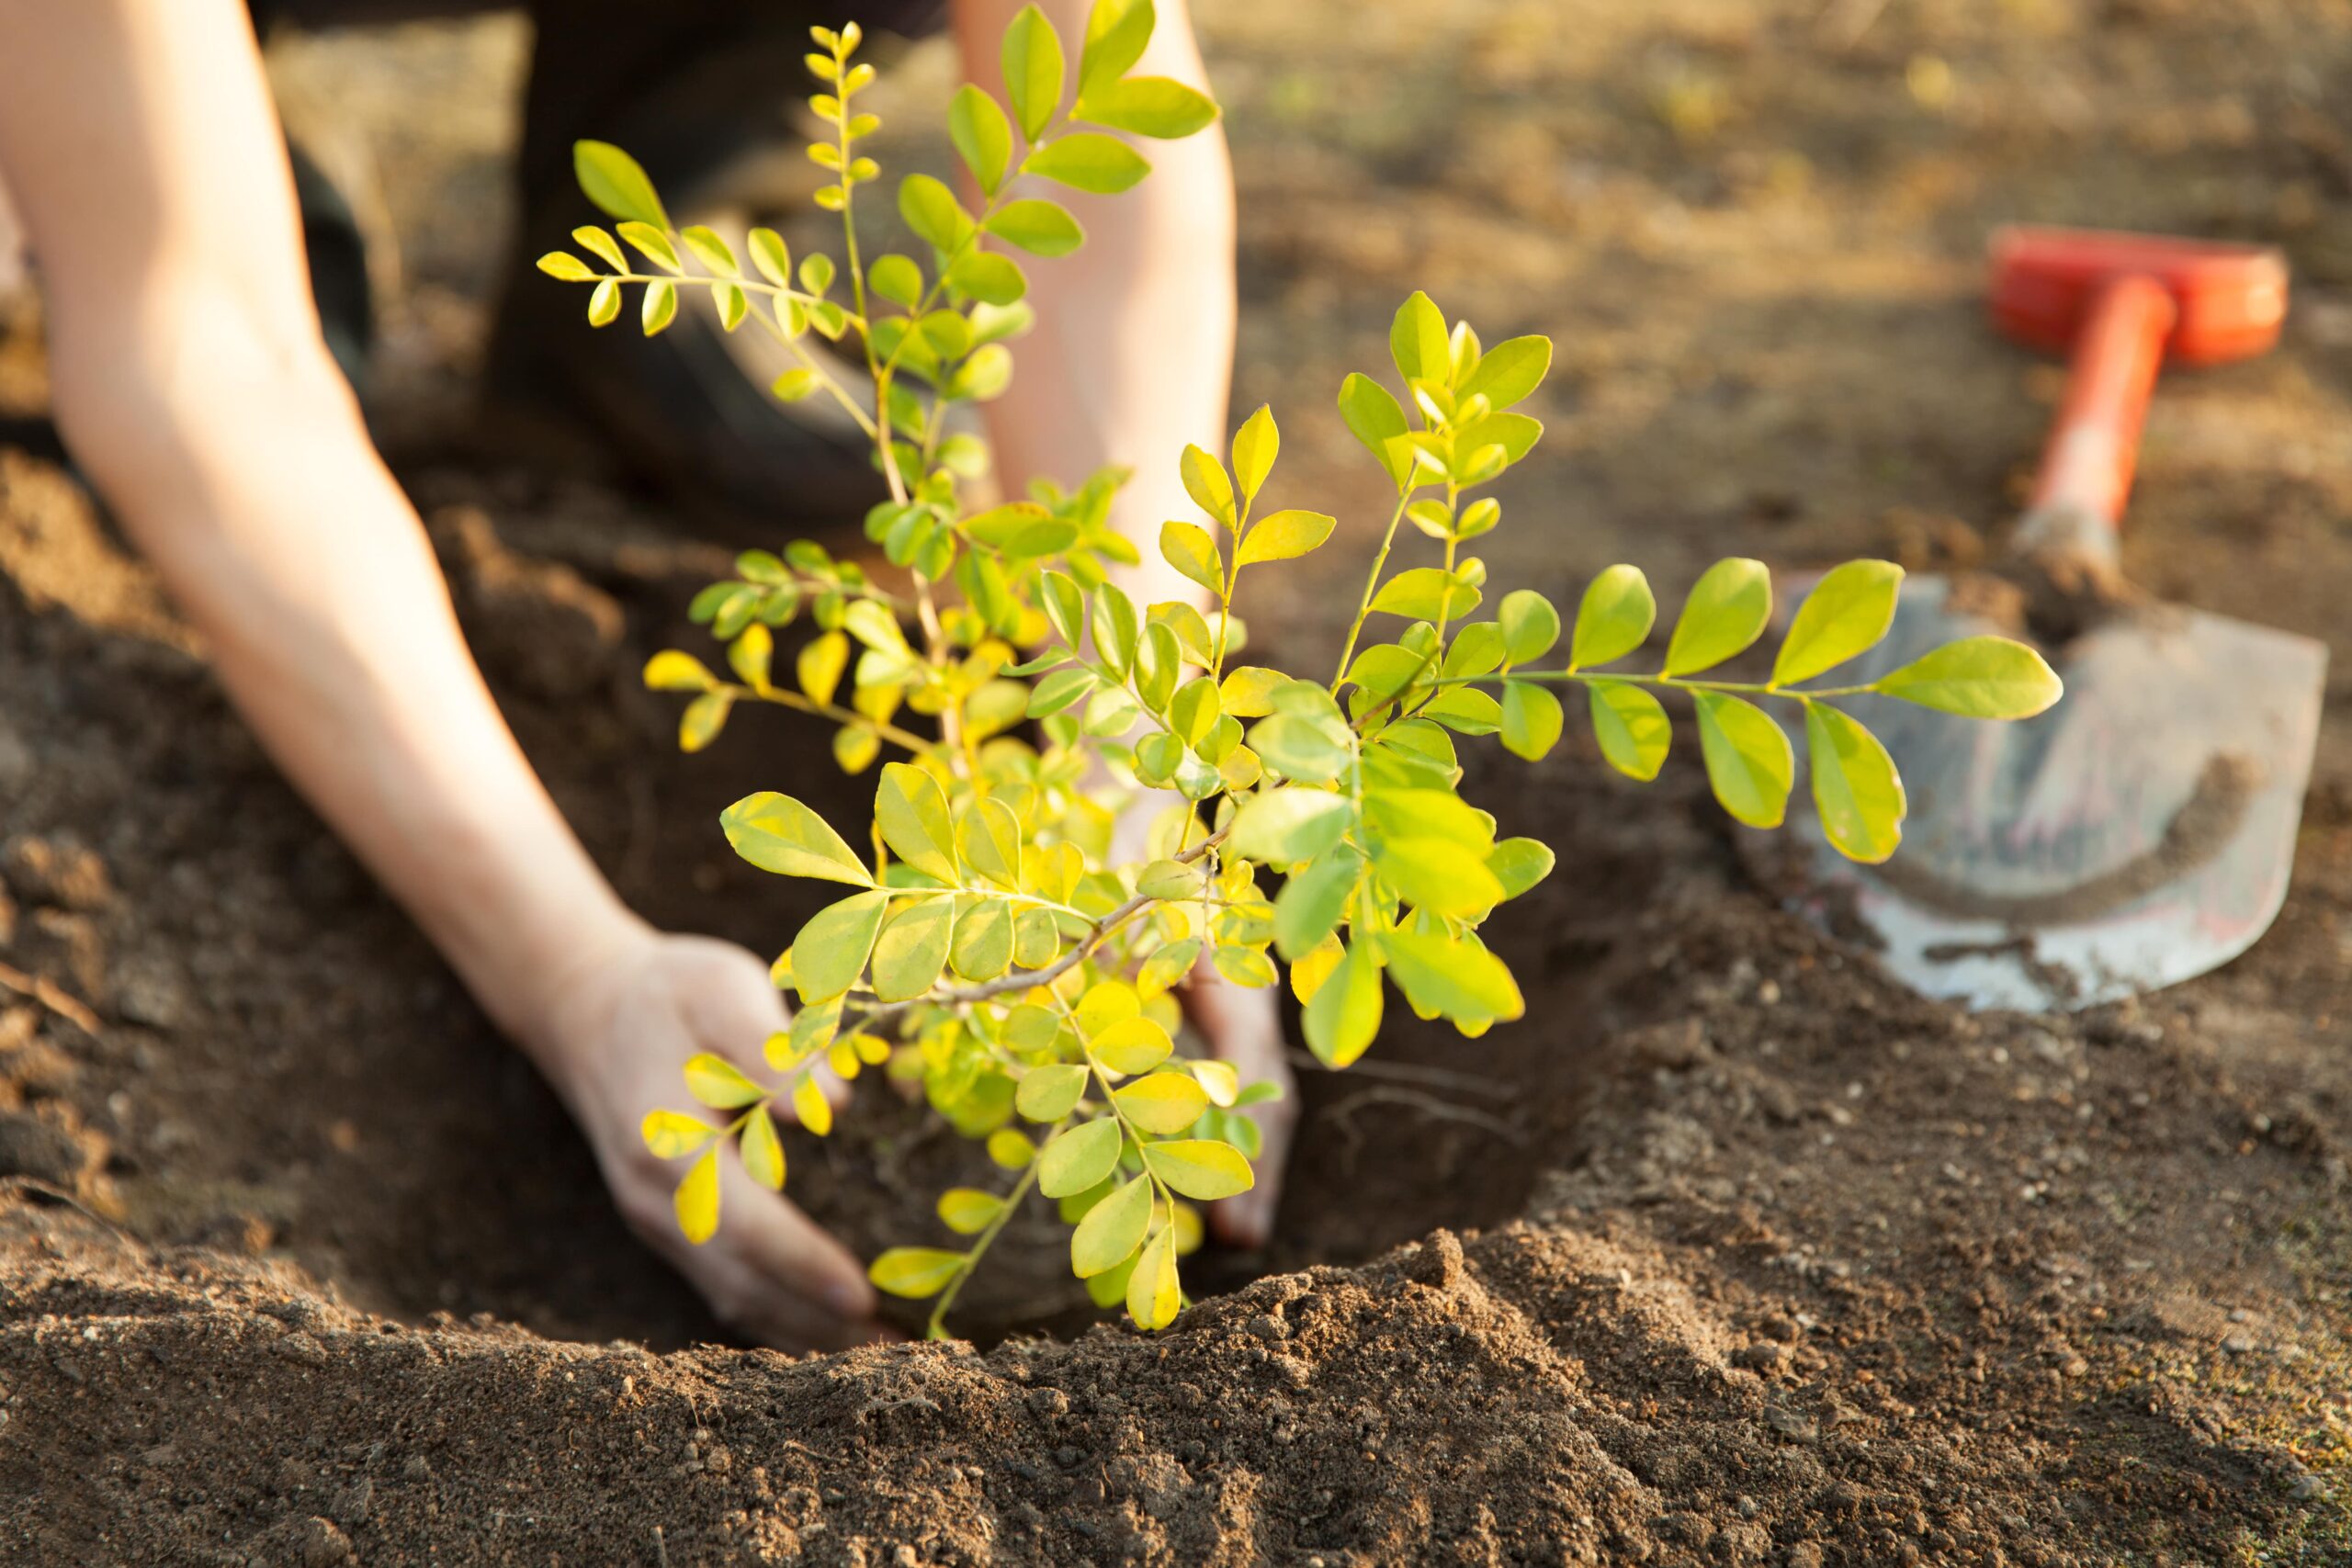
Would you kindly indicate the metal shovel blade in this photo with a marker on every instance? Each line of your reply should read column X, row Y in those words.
column 2137, row 834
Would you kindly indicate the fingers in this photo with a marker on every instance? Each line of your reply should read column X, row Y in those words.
column 1245, row 1030
column 733, row 1007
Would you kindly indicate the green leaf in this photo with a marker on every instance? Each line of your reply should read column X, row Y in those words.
column 1749, row 763
column 565, row 267
column 1417, row 342
column 1254, row 448
column 716, row 255
column 821, row 665
column 1153, row 1294
column 967, row 1211
column 794, row 384
column 982, row 948
column 668, row 1135
column 1453, row 978
column 981, row 135
column 916, row 1273
column 600, row 244
column 1116, row 627
column 761, row 1152
column 1200, row 1169
column 831, row 951
column 1424, row 594
column 604, row 304
column 615, row 181
column 1079, row 1157
column 1632, row 728
column 719, row 1083
column 1344, row 1016
column 1162, row 1102
column 1156, row 106
column 1188, row 548
column 1040, row 227
column 1614, row 619
column 1116, row 32
column 1531, row 720
column 1726, row 612
column 912, row 950
column 989, row 834
column 778, row 833
column 652, row 244
column 1284, row 535
column 1508, row 371
column 1530, row 626
column 1062, row 689
column 697, row 1198
column 1112, row 1229
column 932, row 210
column 1431, row 872
column 1090, row 161
column 1311, row 902
column 1010, row 1148
column 897, row 279
column 1132, row 1045
column 1051, row 1092
column 1374, row 418
column 1036, row 938
column 1299, row 749
column 1977, row 677
column 1032, row 70
column 1847, row 612
column 912, row 813
column 1855, row 787
column 993, row 281
column 1206, row 483
column 1518, row 865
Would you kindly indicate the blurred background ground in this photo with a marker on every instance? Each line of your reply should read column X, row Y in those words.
column 1781, row 1266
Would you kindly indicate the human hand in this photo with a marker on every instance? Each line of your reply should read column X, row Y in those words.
column 613, row 1044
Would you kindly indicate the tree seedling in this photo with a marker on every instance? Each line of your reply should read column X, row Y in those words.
column 992, row 948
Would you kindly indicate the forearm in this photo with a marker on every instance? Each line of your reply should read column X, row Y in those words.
column 1133, row 351
column 275, row 527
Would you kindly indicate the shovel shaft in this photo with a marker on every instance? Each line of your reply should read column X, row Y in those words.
column 2087, row 468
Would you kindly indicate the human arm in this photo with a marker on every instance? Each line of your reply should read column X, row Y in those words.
column 138, row 140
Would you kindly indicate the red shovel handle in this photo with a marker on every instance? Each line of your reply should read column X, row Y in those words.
column 2120, row 304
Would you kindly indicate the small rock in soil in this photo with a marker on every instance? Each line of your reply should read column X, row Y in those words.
column 61, row 870
column 29, row 1146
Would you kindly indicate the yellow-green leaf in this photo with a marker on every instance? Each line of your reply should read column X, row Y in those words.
column 672, row 671
column 762, row 1153
column 967, row 1211
column 1153, row 1294
column 810, row 1108
column 778, row 833
column 1749, row 763
column 1977, row 677
column 831, row 951
column 912, row 950
column 982, row 948
column 1042, row 228
column 1374, row 418
column 989, row 836
column 1632, row 728
column 1855, row 786
column 1508, row 371
column 911, row 811
column 659, row 307
column 1200, row 1169
column 1131, row 1045
column 1455, row 977
column 703, row 718
column 770, row 254
column 1079, row 1157
column 1284, row 535
column 1847, row 612
column 1010, row 1147
column 617, row 183
column 1188, row 548
column 1418, row 343
column 915, row 1272
column 820, row 665
column 1431, row 872
column 697, row 1198
column 1614, row 618
column 1725, row 612
column 981, row 135
column 669, row 1134
column 1090, row 161
column 1157, row 106
column 565, row 267
column 1037, row 940
column 1254, row 448
column 1051, row 1092
column 719, row 1083
column 1163, row 1102
column 750, row 654
column 1343, row 1008
column 604, row 304
column 1112, row 1230
column 1207, row 482
column 1032, row 57
column 1531, row 720
column 1529, row 625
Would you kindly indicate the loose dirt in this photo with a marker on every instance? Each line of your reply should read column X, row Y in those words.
column 1732, row 1252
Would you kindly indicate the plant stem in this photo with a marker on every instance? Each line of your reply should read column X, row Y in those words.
column 1370, row 587
column 847, row 719
column 937, row 1327
column 1669, row 682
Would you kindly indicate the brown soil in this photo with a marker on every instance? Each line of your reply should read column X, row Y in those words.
column 1732, row 1252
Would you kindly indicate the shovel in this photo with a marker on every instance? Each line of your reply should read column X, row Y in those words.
column 2142, row 831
